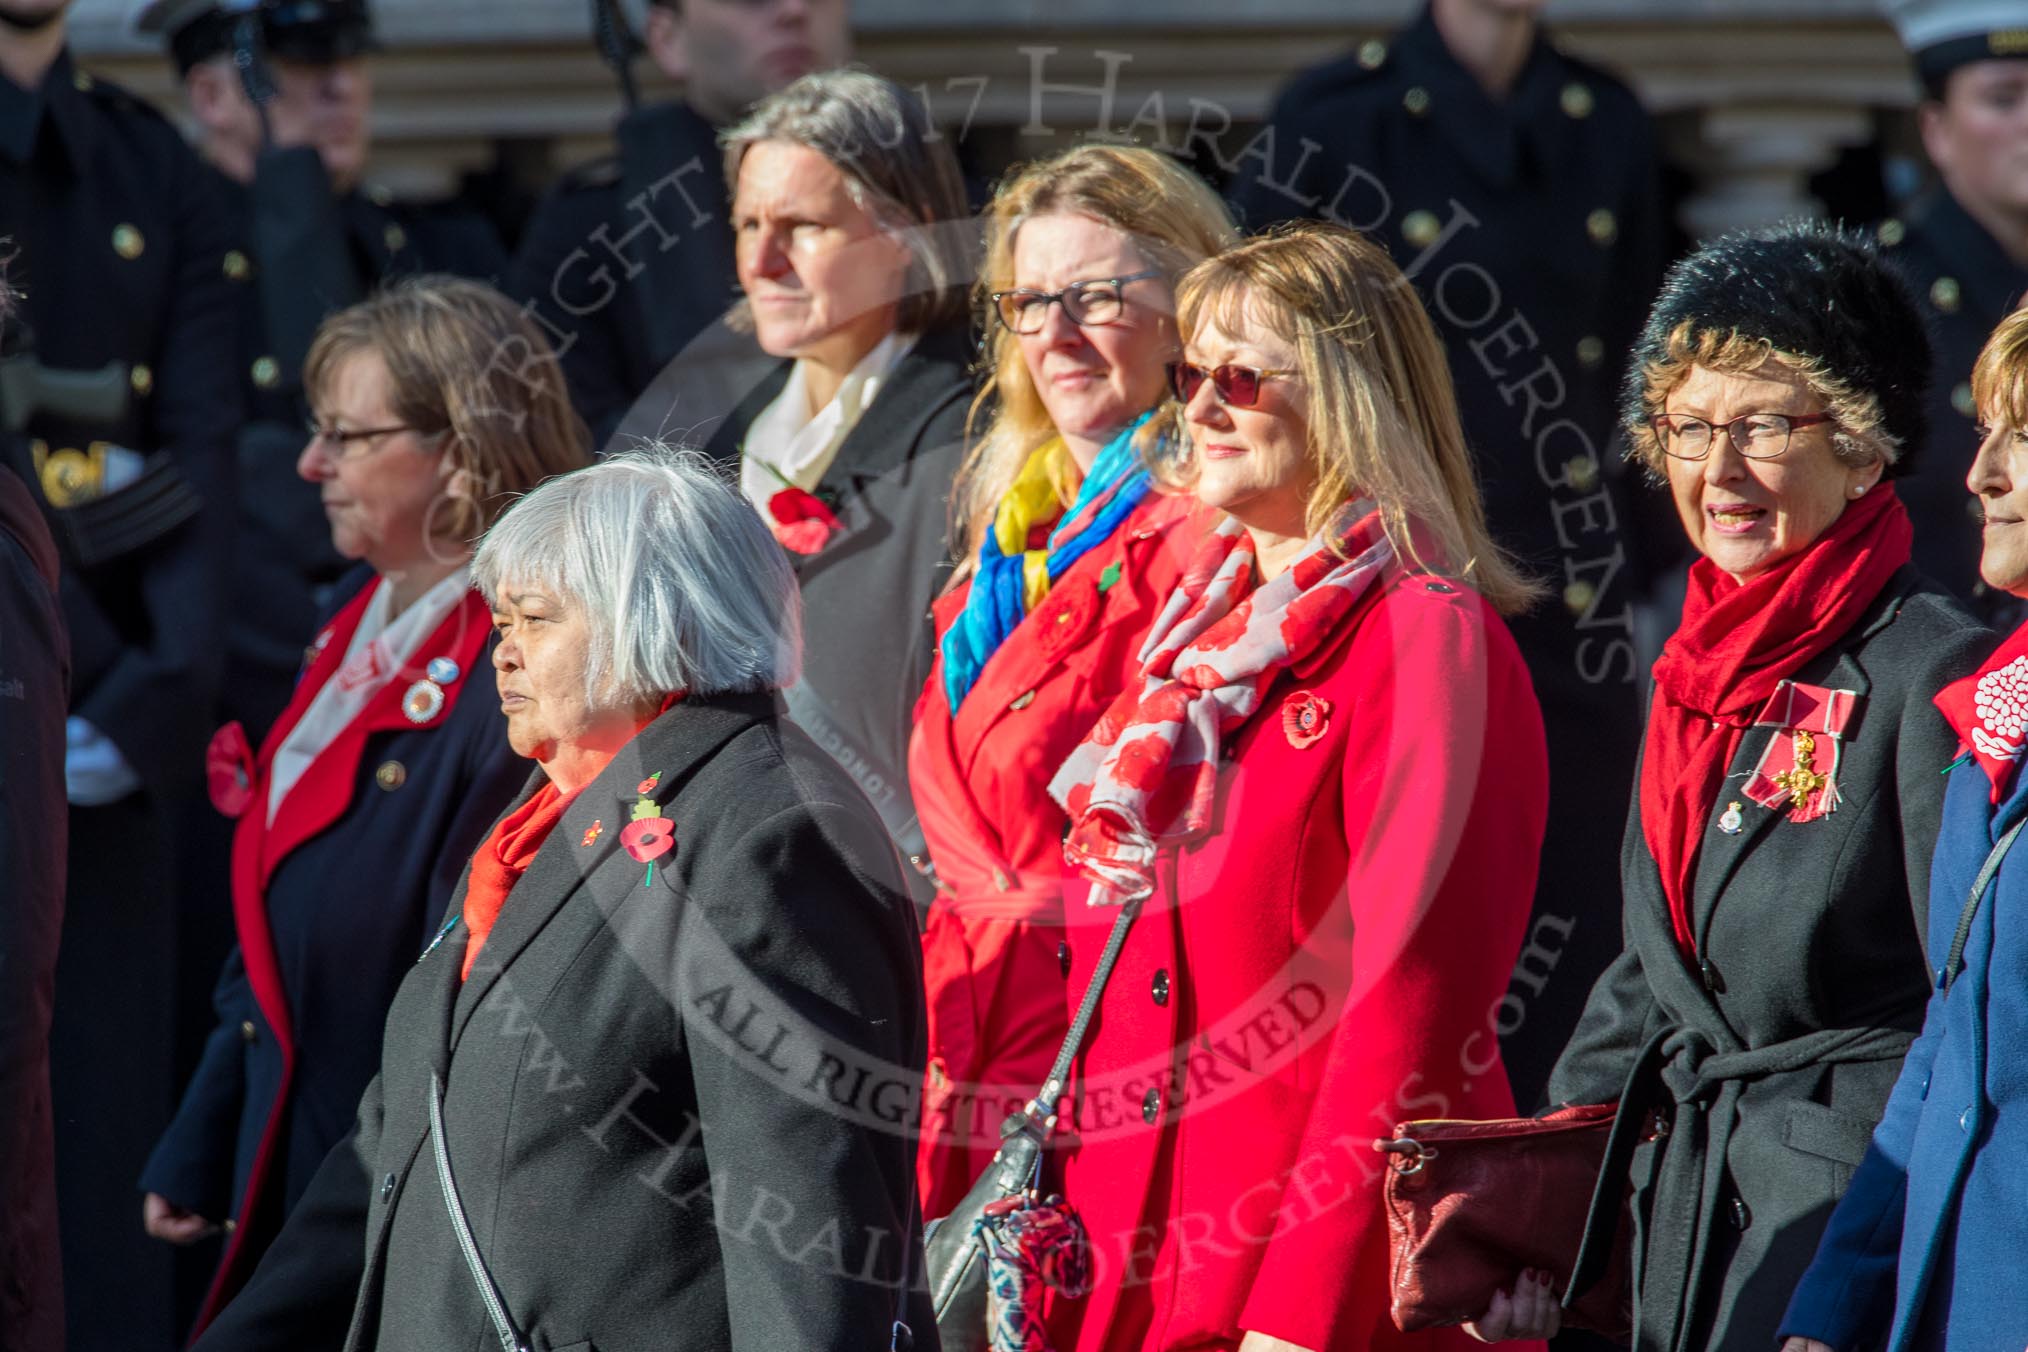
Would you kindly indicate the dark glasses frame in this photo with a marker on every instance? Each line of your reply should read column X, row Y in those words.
column 1668, row 426
column 1235, row 386
column 1071, row 298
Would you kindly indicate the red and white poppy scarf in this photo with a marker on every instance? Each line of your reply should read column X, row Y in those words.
column 1989, row 711
column 1145, row 774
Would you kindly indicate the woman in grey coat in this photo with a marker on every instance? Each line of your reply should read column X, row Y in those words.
column 649, row 1087
column 1776, row 862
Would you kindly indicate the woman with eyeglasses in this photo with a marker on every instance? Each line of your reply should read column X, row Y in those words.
column 357, row 815
column 1066, row 553
column 1320, row 802
column 1776, row 868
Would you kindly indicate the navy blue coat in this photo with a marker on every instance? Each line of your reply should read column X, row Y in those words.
column 1925, row 1246
column 347, row 910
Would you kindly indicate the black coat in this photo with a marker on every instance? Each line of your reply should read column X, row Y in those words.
column 1967, row 284
column 1534, row 229
column 118, row 249
column 867, row 632
column 1813, row 983
column 34, row 678
column 628, row 259
column 675, row 1105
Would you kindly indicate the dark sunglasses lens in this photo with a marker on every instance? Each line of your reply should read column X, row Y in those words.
column 1237, row 385
column 1185, row 379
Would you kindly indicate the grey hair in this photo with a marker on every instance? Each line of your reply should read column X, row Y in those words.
column 898, row 167
column 683, row 588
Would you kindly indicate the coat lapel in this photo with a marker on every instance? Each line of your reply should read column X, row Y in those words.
column 674, row 745
column 882, row 442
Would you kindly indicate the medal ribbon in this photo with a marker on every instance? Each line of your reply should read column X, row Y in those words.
column 1811, row 720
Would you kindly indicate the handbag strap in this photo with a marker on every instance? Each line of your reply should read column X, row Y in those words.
column 1023, row 1134
column 1955, row 963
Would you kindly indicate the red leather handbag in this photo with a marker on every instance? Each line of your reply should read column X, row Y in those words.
column 1471, row 1204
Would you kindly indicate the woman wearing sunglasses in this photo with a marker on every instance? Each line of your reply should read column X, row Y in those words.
column 1323, row 796
column 1776, row 871
column 1067, row 555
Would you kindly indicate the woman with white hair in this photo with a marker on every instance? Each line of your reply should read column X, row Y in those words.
column 648, row 1087
column 853, row 241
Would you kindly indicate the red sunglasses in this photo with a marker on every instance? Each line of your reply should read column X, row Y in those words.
column 1237, row 386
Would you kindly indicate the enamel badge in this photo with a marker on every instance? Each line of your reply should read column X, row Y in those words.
column 1799, row 768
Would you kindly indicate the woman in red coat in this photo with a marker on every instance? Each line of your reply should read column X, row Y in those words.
column 1322, row 801
column 1070, row 553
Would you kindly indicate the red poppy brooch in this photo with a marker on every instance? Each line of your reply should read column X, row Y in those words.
column 228, row 770
column 1305, row 718
column 802, row 522
column 649, row 835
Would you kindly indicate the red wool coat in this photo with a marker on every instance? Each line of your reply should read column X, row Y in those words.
column 1325, row 964
column 981, row 783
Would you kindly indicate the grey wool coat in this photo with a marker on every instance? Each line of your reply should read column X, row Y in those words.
column 674, row 1109
column 1782, row 1046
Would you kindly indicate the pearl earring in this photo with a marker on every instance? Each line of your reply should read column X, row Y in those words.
column 1858, row 490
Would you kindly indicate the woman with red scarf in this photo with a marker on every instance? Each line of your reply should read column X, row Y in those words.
column 1321, row 801
column 1070, row 550
column 1777, row 861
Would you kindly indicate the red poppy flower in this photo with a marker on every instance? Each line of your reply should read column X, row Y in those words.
column 648, row 839
column 801, row 520
column 647, row 786
column 228, row 770
column 1305, row 718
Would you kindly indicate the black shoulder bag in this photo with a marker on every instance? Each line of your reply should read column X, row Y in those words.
column 954, row 1251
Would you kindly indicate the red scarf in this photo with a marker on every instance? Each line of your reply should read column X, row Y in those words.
column 1146, row 774
column 500, row 862
column 1738, row 640
column 1989, row 711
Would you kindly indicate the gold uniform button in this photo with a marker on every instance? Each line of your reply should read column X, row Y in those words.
column 1578, row 596
column 379, row 195
column 1582, row 472
column 267, row 372
column 1372, row 54
column 1590, row 350
column 127, row 241
column 1892, row 233
column 1577, row 100
column 1961, row 400
column 247, row 1031
column 391, row 775
column 395, row 238
column 237, row 266
column 1602, row 226
column 1416, row 100
column 141, row 378
column 82, row 81
column 1421, row 228
column 1945, row 294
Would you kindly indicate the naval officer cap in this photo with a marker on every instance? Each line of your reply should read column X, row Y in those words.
column 314, row 31
column 1942, row 35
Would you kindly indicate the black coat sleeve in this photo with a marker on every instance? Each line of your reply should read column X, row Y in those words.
column 307, row 269
column 796, row 905
column 579, row 304
column 192, row 1165
column 300, row 1298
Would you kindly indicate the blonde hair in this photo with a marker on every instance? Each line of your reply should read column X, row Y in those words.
column 2000, row 376
column 462, row 360
column 1174, row 221
column 1383, row 421
column 1859, row 432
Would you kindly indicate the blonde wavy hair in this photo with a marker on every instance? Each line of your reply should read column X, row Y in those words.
column 1383, row 419
column 1175, row 222
column 2000, row 376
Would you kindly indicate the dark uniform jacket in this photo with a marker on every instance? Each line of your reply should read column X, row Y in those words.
column 673, row 1106
column 867, row 633
column 334, row 902
column 303, row 252
column 1784, row 1040
column 34, row 674
column 1967, row 284
column 629, row 259
column 1534, row 230
column 119, row 255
